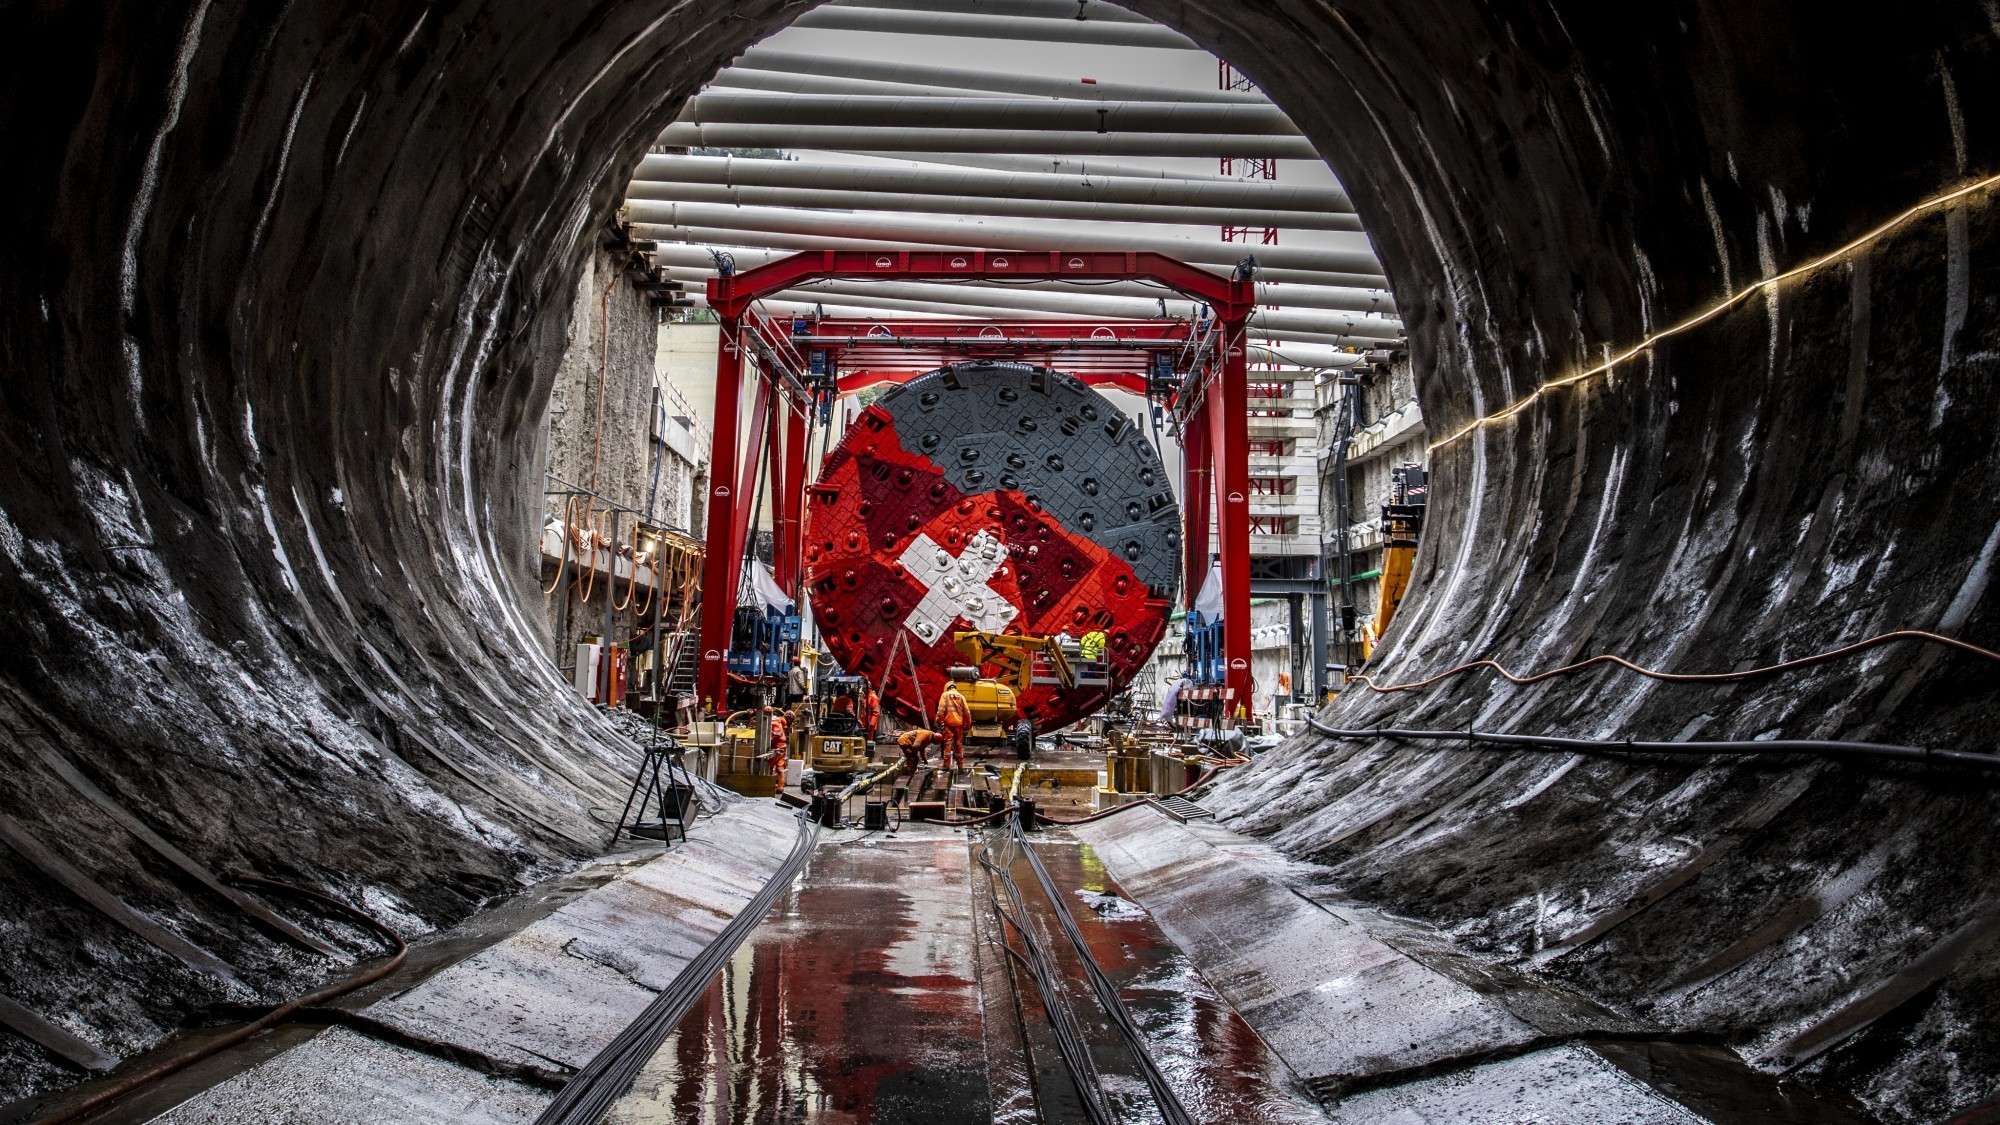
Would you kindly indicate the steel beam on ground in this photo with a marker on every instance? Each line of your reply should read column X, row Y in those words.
column 1103, row 33
column 1076, row 186
column 861, row 138
column 731, row 107
column 765, row 60
column 1015, row 234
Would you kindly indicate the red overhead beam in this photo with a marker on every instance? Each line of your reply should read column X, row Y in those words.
column 1232, row 299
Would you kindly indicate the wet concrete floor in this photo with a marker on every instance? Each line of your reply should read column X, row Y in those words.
column 1220, row 1069
column 862, row 999
column 856, row 1001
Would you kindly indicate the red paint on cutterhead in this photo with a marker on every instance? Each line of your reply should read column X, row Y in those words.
column 874, row 500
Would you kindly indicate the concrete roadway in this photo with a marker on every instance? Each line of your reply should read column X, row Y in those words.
column 878, row 990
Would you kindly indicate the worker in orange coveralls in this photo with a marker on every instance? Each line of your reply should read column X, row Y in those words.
column 780, row 743
column 953, row 716
column 871, row 714
column 914, row 743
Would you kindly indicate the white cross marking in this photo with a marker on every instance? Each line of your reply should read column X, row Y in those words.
column 956, row 587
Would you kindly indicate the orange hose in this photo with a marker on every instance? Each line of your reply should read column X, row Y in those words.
column 632, row 583
column 595, row 536
column 1690, row 677
column 562, row 550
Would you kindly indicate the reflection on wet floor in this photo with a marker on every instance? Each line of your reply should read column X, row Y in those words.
column 856, row 1001
column 859, row 1000
column 1219, row 1068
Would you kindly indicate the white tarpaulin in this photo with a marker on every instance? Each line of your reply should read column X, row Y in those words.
column 1208, row 603
column 764, row 584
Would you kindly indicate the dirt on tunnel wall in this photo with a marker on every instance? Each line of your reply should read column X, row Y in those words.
column 284, row 291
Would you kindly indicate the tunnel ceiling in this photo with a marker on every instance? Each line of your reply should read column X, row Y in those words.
column 285, row 286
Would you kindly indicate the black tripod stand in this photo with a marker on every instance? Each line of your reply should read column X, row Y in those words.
column 664, row 786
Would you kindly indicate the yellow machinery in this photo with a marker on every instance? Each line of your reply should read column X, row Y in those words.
column 1402, row 522
column 1014, row 655
column 990, row 701
column 838, row 743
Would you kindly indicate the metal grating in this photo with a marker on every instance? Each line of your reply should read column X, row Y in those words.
column 1182, row 809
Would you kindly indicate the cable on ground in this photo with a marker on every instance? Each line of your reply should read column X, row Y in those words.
column 1823, row 747
column 590, row 1094
column 1164, row 1098
column 1689, row 677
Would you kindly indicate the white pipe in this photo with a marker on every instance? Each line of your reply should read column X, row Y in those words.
column 775, row 242
column 1175, row 306
column 998, row 206
column 1050, row 163
column 692, row 263
column 1018, row 234
column 1086, row 10
column 864, row 139
column 910, row 111
column 1290, row 354
column 1094, row 32
column 1303, row 355
column 1083, row 185
column 1377, row 338
column 906, row 74
column 776, row 82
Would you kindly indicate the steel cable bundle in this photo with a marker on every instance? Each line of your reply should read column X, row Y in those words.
column 1171, row 1110
column 1070, row 1042
column 591, row 1093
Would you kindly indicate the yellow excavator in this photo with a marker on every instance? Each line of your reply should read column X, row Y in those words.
column 1014, row 654
column 991, row 698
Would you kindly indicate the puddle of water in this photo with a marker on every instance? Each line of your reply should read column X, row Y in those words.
column 857, row 1001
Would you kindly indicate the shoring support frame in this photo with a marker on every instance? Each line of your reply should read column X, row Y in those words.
column 1223, row 416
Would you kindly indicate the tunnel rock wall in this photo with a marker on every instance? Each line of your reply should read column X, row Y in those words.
column 284, row 289
column 283, row 292
column 1548, row 183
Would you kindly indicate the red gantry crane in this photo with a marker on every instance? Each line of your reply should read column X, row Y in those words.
column 1196, row 367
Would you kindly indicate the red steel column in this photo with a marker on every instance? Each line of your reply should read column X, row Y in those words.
column 788, row 491
column 1229, row 407
column 1197, row 491
column 746, row 479
column 718, row 564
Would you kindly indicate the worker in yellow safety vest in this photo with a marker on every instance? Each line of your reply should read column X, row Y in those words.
column 1092, row 645
column 953, row 716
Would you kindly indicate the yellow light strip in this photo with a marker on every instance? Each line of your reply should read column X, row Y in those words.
column 1715, row 310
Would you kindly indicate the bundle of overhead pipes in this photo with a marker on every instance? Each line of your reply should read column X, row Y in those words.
column 904, row 156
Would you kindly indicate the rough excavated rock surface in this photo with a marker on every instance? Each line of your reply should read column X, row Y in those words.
column 283, row 287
